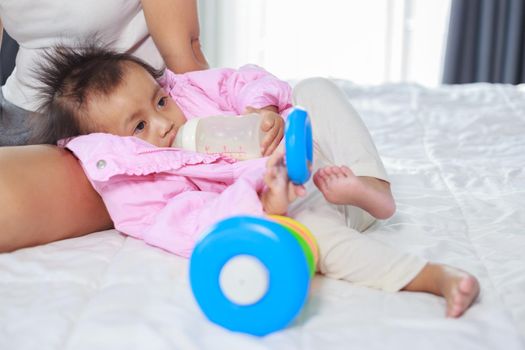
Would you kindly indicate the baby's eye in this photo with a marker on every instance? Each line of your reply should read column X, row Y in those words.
column 140, row 126
column 163, row 101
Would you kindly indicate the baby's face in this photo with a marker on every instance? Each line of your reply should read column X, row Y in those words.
column 137, row 107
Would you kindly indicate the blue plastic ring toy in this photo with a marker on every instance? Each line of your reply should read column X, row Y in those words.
column 299, row 146
column 224, row 262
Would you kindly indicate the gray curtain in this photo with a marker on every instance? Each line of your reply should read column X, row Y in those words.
column 485, row 42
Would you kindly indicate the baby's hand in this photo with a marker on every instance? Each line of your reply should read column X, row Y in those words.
column 272, row 125
column 281, row 192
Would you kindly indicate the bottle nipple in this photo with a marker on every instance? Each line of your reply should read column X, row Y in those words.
column 185, row 137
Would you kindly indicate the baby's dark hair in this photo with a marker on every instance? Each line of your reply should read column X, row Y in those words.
column 68, row 77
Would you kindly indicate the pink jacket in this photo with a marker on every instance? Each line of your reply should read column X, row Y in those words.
column 168, row 196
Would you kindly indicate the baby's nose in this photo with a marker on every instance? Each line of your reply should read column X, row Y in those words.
column 163, row 126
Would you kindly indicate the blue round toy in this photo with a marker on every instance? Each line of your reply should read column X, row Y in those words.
column 252, row 275
column 299, row 146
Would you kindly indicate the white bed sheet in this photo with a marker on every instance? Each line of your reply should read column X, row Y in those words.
column 456, row 160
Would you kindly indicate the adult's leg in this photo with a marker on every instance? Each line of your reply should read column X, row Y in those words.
column 44, row 194
column 45, row 197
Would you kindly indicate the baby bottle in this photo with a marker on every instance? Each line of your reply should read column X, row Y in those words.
column 236, row 136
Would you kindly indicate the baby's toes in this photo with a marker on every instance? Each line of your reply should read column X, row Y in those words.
column 324, row 172
column 335, row 171
column 339, row 172
column 463, row 296
column 458, row 305
column 321, row 172
column 451, row 307
column 469, row 289
column 319, row 179
column 347, row 171
column 469, row 285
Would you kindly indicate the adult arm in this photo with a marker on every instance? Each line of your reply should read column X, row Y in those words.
column 174, row 27
column 45, row 197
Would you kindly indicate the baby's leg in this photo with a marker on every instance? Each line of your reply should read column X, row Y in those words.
column 342, row 138
column 360, row 180
column 355, row 257
column 349, row 255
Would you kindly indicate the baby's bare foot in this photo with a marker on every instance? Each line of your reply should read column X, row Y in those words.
column 340, row 185
column 460, row 289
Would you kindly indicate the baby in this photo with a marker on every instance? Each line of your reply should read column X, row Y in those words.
column 130, row 114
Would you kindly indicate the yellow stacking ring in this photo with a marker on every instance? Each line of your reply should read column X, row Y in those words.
column 305, row 238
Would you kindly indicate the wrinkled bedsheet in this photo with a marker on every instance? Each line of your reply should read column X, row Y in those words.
column 456, row 159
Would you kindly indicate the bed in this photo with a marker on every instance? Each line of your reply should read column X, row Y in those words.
column 456, row 159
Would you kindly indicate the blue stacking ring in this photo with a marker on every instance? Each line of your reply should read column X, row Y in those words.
column 299, row 147
column 276, row 249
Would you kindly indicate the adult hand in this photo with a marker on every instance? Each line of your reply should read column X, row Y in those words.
column 272, row 125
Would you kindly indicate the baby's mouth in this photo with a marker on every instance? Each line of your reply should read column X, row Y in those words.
column 170, row 136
